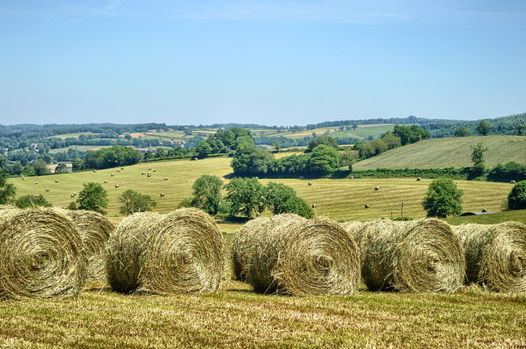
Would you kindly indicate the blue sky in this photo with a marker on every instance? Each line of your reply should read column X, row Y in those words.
column 277, row 62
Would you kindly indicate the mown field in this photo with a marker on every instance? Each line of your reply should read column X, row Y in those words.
column 449, row 152
column 340, row 199
column 236, row 316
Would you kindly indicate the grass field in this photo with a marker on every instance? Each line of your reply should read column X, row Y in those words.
column 79, row 147
column 363, row 131
column 340, row 199
column 237, row 317
column 449, row 152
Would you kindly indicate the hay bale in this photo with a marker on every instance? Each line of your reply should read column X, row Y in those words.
column 495, row 255
column 513, row 181
column 161, row 195
column 40, row 255
column 56, row 181
column 95, row 230
column 180, row 252
column 411, row 256
column 288, row 254
column 117, row 186
column 366, row 206
column 47, row 190
column 418, row 179
column 376, row 188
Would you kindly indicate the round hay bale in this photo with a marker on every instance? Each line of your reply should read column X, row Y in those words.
column 513, row 181
column 36, row 182
column 410, row 256
column 161, row 195
column 56, row 181
column 40, row 255
column 376, row 188
column 47, row 190
column 366, row 206
column 288, row 254
column 95, row 230
column 418, row 179
column 495, row 255
column 117, row 186
column 180, row 252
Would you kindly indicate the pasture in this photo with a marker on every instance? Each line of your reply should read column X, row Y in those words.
column 339, row 199
column 449, row 152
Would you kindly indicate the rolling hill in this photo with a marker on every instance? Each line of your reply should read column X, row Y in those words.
column 449, row 152
column 340, row 199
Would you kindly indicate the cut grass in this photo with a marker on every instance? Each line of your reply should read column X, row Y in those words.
column 449, row 152
column 237, row 317
column 339, row 199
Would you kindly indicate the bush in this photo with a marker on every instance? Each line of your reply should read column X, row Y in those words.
column 93, row 198
column 282, row 199
column 7, row 190
column 508, row 172
column 32, row 201
column 326, row 140
column 133, row 201
column 517, row 196
column 443, row 198
column 323, row 161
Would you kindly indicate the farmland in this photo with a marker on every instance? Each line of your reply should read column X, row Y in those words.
column 340, row 199
column 449, row 152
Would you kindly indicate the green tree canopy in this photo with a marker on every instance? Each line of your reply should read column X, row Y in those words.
column 517, row 196
column 283, row 199
column 207, row 194
column 483, row 127
column 323, row 160
column 443, row 198
column 250, row 161
column 326, row 140
column 245, row 197
column 7, row 190
column 133, row 201
column 410, row 134
column 32, row 201
column 93, row 198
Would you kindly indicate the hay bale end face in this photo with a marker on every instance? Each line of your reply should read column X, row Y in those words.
column 95, row 230
column 40, row 255
column 495, row 255
column 288, row 254
column 180, row 252
column 413, row 256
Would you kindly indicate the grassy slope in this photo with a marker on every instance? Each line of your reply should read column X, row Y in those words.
column 449, row 152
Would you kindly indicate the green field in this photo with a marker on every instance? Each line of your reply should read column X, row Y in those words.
column 236, row 316
column 449, row 152
column 362, row 132
column 340, row 199
column 79, row 147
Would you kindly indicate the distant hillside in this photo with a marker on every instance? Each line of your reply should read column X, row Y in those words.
column 449, row 152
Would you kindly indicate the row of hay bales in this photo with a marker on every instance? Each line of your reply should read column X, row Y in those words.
column 291, row 255
column 51, row 253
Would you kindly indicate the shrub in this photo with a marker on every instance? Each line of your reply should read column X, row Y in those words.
column 517, row 196
column 133, row 201
column 93, row 198
column 207, row 194
column 443, row 198
column 32, row 201
column 282, row 199
column 246, row 197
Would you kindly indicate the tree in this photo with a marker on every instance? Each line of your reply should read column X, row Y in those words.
column 77, row 164
column 477, row 157
column 7, row 190
column 323, row 160
column 133, row 201
column 519, row 128
column 40, row 167
column 410, row 134
column 245, row 197
column 203, row 149
column 207, row 194
column 462, row 132
column 283, row 199
column 32, row 201
column 250, row 161
column 391, row 140
column 483, row 127
column 327, row 140
column 443, row 198
column 517, row 196
column 93, row 198
column 372, row 148
column 61, row 168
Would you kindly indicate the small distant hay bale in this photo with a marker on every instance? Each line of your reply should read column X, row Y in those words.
column 117, row 186
column 112, row 175
column 495, row 255
column 105, row 181
column 366, row 206
column 412, row 256
column 310, row 183
column 36, row 182
column 314, row 206
column 376, row 188
column 288, row 254
column 165, row 178
column 484, row 210
column 72, row 195
column 149, row 175
column 161, row 195
column 95, row 230
column 40, row 255
column 154, row 171
column 180, row 252
column 56, row 180
column 149, row 168
column 513, row 181
column 94, row 171
column 122, row 168
column 418, row 179
column 47, row 190
column 143, row 173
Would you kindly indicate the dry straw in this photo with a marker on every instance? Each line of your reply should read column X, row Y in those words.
column 288, row 254
column 40, row 255
column 95, row 230
column 180, row 252
column 415, row 256
column 495, row 255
